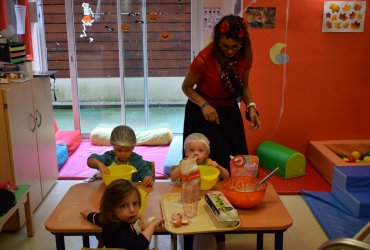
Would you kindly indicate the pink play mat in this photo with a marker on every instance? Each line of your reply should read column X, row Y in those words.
column 75, row 168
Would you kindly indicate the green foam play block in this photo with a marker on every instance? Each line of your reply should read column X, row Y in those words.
column 291, row 163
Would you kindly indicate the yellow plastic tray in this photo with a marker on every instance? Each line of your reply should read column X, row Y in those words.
column 204, row 222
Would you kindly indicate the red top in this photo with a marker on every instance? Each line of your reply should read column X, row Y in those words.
column 209, row 85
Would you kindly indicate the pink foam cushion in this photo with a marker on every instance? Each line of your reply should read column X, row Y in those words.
column 72, row 138
column 56, row 129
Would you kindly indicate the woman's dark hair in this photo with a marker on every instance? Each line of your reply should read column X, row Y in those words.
column 113, row 196
column 233, row 27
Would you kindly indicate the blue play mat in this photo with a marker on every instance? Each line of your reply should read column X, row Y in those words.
column 334, row 218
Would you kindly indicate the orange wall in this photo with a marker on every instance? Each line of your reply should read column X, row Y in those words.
column 323, row 92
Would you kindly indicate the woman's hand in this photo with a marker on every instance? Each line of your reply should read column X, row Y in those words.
column 255, row 120
column 210, row 114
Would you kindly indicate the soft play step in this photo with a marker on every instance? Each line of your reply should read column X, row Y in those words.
column 357, row 200
column 348, row 177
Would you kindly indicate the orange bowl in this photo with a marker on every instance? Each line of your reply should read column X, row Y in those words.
column 237, row 190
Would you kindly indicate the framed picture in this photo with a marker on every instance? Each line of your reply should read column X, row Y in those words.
column 344, row 16
column 261, row 17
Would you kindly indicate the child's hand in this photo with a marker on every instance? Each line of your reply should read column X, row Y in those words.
column 84, row 213
column 213, row 164
column 148, row 181
column 224, row 174
column 158, row 222
column 104, row 169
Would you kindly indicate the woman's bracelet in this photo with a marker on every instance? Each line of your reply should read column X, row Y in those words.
column 252, row 104
column 204, row 105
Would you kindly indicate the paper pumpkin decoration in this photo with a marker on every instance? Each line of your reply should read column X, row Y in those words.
column 125, row 27
column 152, row 16
column 165, row 35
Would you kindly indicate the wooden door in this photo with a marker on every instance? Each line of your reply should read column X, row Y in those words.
column 45, row 133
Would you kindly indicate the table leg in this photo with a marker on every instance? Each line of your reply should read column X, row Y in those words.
column 259, row 241
column 59, row 240
column 86, row 241
column 174, row 241
column 279, row 237
column 29, row 219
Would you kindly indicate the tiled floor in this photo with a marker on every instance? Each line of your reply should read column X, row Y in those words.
column 304, row 234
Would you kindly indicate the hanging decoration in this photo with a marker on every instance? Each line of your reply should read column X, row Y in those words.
column 87, row 20
column 344, row 16
column 125, row 27
column 165, row 35
column 110, row 29
column 152, row 16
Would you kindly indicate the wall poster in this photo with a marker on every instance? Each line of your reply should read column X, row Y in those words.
column 261, row 17
column 344, row 16
column 211, row 16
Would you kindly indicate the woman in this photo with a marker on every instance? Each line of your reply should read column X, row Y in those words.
column 216, row 82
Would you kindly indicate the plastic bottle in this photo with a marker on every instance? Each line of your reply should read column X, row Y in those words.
column 190, row 177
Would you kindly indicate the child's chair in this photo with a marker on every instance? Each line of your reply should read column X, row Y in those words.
column 84, row 248
column 152, row 168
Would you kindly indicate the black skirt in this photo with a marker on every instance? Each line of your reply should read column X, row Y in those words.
column 227, row 138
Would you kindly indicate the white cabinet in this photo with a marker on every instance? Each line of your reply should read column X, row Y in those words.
column 27, row 135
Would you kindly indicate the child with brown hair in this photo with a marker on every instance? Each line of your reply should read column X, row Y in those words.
column 118, row 217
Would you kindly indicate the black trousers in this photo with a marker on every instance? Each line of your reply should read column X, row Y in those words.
column 227, row 138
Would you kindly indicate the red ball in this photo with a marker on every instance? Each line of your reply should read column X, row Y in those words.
column 351, row 159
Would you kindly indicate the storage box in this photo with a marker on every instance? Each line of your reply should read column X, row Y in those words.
column 324, row 155
column 291, row 163
column 13, row 52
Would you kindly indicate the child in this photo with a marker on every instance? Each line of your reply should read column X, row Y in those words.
column 118, row 217
column 196, row 146
column 123, row 140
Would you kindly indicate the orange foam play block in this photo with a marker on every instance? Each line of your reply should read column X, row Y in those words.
column 324, row 155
